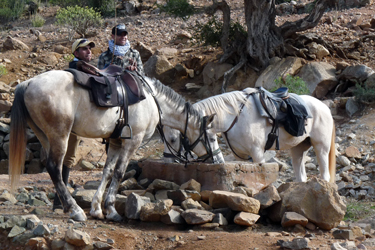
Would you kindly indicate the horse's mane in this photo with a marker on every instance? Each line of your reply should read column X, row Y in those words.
column 172, row 97
column 222, row 104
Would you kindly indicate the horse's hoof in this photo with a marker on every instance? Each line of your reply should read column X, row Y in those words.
column 98, row 214
column 78, row 216
column 114, row 217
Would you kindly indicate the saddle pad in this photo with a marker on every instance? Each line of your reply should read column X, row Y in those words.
column 80, row 77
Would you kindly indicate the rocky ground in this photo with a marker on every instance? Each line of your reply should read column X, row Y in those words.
column 158, row 32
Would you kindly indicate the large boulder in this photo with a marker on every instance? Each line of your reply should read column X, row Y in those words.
column 317, row 200
column 14, row 44
column 145, row 51
column 280, row 68
column 356, row 73
column 159, row 67
column 320, row 77
column 214, row 72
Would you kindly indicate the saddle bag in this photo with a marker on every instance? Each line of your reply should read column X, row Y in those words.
column 294, row 122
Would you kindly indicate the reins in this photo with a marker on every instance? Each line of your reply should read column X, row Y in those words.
column 235, row 120
column 184, row 140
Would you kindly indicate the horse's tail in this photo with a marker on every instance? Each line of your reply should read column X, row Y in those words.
column 18, row 137
column 332, row 156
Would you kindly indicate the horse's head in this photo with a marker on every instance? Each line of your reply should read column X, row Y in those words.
column 204, row 144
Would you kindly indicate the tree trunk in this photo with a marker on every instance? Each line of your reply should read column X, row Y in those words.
column 224, row 7
column 264, row 38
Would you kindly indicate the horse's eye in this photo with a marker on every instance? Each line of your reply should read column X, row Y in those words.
column 173, row 140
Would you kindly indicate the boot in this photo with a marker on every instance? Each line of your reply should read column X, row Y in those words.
column 65, row 176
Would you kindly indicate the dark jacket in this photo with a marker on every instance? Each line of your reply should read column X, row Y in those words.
column 73, row 65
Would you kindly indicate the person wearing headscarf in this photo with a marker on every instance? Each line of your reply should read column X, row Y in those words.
column 120, row 52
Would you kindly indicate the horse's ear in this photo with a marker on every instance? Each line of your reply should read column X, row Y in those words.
column 210, row 119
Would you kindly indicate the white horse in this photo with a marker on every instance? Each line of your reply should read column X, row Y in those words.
column 248, row 136
column 54, row 105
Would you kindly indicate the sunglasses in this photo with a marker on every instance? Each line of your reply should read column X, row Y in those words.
column 82, row 41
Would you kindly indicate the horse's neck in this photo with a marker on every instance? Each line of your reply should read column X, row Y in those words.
column 224, row 116
column 172, row 112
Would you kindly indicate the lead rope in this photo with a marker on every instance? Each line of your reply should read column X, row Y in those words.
column 114, row 42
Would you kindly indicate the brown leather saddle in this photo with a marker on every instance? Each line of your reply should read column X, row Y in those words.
column 111, row 87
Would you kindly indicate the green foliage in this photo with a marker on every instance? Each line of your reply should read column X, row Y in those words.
column 3, row 70
column 66, row 3
column 78, row 19
column 178, row 8
column 11, row 10
column 37, row 20
column 365, row 93
column 69, row 57
column 210, row 32
column 293, row 83
column 358, row 210
column 105, row 7
column 309, row 7
column 282, row 1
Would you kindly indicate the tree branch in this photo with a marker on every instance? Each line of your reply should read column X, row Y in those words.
column 229, row 74
column 224, row 7
column 310, row 21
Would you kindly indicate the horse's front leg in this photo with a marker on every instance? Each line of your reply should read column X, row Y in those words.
column 62, row 191
column 96, row 208
column 129, row 148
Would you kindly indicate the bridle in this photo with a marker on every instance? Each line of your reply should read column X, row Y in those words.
column 185, row 144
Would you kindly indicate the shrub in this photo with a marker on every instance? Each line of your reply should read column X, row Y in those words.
column 294, row 84
column 282, row 1
column 11, row 10
column 178, row 8
column 3, row 70
column 105, row 7
column 358, row 210
column 210, row 32
column 37, row 20
column 66, row 3
column 365, row 93
column 78, row 19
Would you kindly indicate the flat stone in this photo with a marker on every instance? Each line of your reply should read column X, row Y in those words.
column 352, row 151
column 213, row 176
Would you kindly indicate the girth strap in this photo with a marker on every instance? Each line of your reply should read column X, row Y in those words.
column 274, row 134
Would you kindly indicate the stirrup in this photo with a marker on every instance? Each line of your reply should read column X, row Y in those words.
column 127, row 132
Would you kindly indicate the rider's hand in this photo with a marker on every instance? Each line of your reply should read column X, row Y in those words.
column 133, row 65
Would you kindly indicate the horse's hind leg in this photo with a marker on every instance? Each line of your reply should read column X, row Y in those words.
column 54, row 168
column 322, row 155
column 113, row 153
column 298, row 154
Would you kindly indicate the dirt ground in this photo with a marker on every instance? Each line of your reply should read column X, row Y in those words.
column 131, row 234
